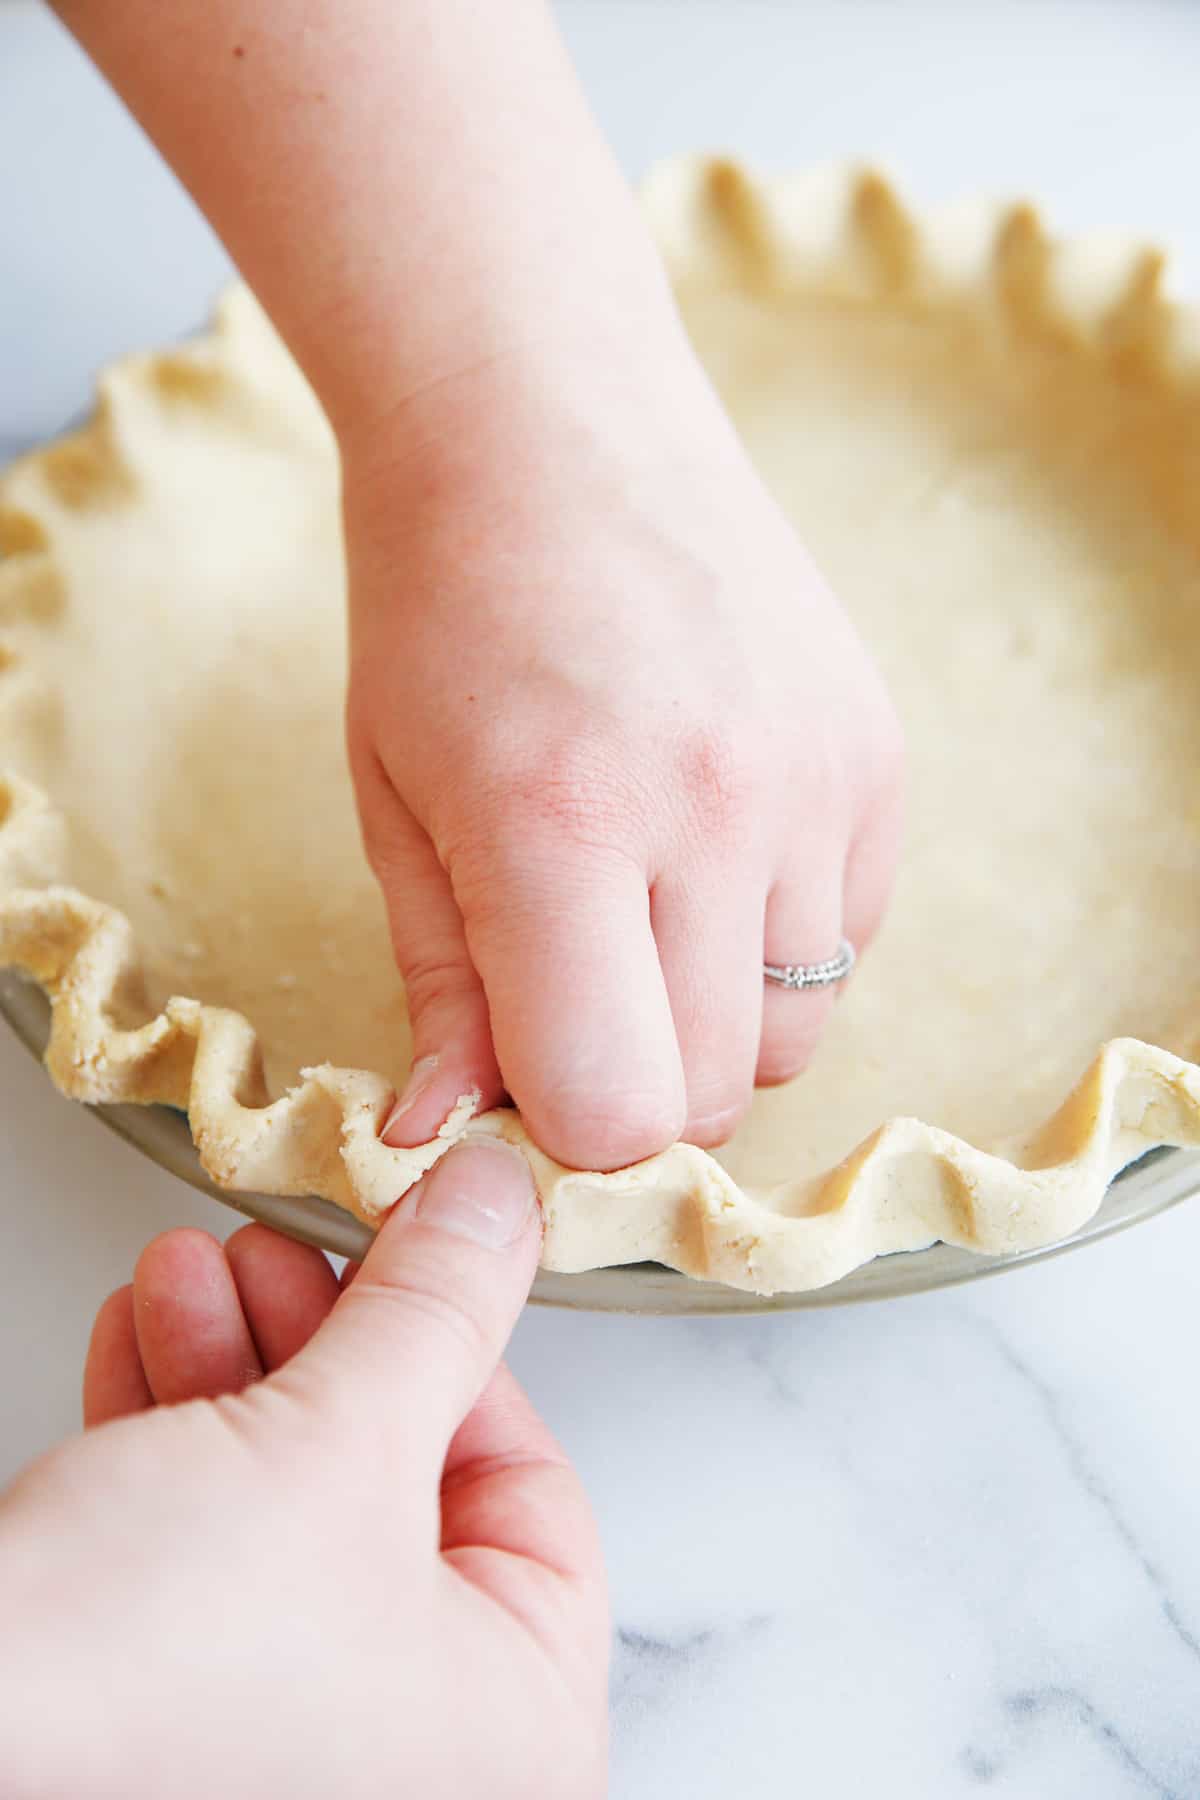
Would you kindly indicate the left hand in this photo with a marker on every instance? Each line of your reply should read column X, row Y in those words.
column 314, row 1545
column 615, row 744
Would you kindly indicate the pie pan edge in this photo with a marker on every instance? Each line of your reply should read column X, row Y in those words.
column 909, row 1183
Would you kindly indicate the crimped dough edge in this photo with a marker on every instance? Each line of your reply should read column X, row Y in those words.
column 841, row 230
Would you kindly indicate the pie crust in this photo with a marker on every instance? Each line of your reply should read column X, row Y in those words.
column 991, row 443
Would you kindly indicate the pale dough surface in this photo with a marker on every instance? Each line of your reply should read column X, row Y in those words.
column 987, row 528
column 1000, row 494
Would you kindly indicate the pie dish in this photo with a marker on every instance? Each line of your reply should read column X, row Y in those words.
column 990, row 442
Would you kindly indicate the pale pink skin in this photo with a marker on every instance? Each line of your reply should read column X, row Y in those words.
column 630, row 748
column 614, row 742
column 614, row 745
column 310, row 1545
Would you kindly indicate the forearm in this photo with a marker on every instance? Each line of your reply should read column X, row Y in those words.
column 412, row 187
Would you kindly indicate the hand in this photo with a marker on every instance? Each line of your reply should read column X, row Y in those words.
column 615, row 744
column 356, row 1576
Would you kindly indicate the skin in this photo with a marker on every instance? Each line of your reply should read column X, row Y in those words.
column 614, row 744
column 417, row 1604
column 613, row 740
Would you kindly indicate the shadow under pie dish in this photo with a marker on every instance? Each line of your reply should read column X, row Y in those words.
column 989, row 441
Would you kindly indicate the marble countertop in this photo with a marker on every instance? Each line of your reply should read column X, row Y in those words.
column 927, row 1549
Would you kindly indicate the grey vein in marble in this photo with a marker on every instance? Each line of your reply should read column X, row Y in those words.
column 645, row 1663
column 1037, row 1703
column 1090, row 1481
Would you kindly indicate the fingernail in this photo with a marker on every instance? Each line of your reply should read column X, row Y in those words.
column 419, row 1078
column 481, row 1190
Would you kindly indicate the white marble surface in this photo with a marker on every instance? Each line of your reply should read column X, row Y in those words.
column 941, row 1547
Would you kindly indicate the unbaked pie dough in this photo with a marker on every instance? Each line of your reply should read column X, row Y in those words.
column 991, row 443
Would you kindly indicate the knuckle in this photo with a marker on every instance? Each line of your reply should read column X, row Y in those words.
column 416, row 1299
column 433, row 982
column 717, row 776
column 376, row 822
column 576, row 794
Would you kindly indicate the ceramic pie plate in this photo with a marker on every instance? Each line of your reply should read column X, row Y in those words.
column 991, row 443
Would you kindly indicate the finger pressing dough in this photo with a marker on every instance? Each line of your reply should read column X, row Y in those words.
column 991, row 444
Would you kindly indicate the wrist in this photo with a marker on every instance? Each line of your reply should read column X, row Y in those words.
column 549, row 402
column 520, row 330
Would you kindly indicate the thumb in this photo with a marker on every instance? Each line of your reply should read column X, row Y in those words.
column 413, row 1341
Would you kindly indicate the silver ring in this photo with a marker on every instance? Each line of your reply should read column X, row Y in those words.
column 813, row 975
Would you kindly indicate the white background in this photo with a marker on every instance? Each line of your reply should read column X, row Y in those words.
column 941, row 1547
